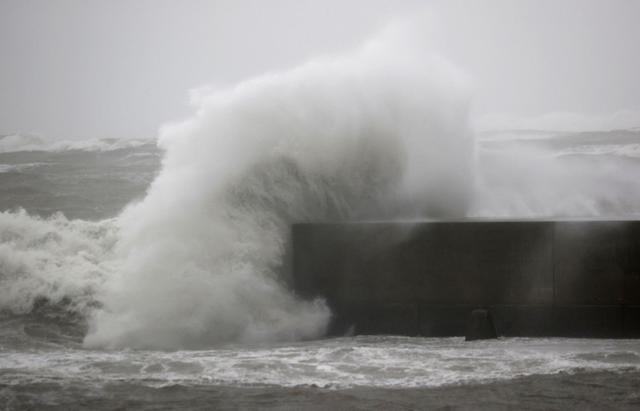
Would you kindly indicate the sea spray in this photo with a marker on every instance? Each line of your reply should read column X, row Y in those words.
column 378, row 134
column 373, row 134
column 542, row 178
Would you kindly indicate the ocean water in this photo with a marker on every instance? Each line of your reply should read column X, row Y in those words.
column 92, row 183
column 72, row 196
column 150, row 274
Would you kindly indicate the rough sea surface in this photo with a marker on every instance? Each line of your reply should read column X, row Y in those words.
column 44, row 364
column 92, row 183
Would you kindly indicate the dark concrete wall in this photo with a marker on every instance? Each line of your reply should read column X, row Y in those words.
column 538, row 278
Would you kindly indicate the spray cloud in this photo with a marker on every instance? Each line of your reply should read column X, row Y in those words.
column 373, row 134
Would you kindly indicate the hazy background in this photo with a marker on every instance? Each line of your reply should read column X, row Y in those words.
column 120, row 68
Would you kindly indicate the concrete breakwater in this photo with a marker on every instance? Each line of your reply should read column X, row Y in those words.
column 537, row 278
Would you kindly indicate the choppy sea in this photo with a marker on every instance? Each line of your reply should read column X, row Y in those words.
column 44, row 365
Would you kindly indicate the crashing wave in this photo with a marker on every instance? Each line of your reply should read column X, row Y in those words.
column 56, row 259
column 381, row 133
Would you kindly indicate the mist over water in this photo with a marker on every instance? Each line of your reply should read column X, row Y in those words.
column 381, row 133
column 532, row 174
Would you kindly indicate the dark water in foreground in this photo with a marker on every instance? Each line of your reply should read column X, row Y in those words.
column 575, row 391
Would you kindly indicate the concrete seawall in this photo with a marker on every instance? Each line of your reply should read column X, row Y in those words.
column 538, row 278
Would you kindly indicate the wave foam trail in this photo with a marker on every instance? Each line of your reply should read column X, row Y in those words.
column 359, row 136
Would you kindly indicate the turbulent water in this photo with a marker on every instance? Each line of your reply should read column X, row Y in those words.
column 43, row 363
column 148, row 274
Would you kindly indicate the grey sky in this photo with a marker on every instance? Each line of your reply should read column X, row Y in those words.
column 121, row 68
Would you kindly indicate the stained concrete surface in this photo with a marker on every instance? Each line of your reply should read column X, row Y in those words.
column 538, row 278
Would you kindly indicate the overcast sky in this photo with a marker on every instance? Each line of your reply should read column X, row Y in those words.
column 121, row 68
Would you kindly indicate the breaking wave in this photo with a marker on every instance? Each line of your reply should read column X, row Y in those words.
column 201, row 260
column 381, row 133
column 335, row 139
column 54, row 258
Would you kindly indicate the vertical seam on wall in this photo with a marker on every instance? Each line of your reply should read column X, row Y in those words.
column 553, row 262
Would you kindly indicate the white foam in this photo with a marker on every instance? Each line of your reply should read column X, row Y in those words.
column 621, row 150
column 11, row 168
column 378, row 134
column 53, row 258
column 337, row 138
column 397, row 362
